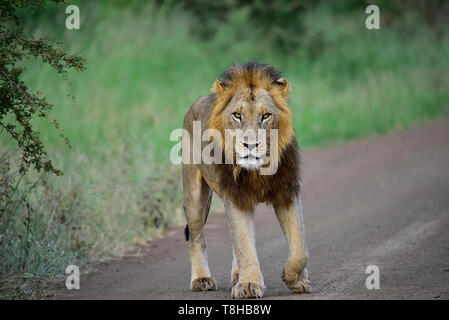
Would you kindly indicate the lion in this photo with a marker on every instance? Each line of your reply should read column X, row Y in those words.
column 250, row 96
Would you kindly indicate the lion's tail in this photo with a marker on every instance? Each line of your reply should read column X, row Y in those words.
column 187, row 232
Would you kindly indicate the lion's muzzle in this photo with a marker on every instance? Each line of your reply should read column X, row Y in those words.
column 251, row 154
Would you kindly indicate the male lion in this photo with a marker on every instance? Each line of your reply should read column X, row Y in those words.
column 252, row 96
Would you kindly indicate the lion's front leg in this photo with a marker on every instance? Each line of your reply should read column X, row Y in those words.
column 246, row 269
column 291, row 220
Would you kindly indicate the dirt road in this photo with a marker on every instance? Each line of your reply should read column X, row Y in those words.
column 378, row 201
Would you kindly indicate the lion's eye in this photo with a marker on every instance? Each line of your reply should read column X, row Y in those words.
column 237, row 115
column 265, row 116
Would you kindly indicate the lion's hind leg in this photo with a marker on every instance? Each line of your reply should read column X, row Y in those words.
column 235, row 269
column 197, row 198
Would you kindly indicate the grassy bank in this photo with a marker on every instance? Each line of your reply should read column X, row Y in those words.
column 144, row 70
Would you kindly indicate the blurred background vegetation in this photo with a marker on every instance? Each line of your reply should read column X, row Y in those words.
column 147, row 62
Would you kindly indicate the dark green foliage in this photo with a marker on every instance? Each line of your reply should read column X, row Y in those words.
column 282, row 20
column 18, row 104
column 26, row 234
column 277, row 19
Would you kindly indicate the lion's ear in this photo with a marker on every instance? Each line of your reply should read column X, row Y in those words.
column 283, row 84
column 218, row 86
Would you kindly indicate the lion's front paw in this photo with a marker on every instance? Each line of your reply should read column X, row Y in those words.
column 203, row 284
column 297, row 283
column 247, row 290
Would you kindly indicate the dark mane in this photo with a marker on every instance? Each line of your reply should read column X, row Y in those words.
column 251, row 188
column 247, row 188
column 253, row 68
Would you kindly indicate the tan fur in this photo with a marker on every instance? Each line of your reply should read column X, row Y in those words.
column 252, row 87
column 295, row 273
column 245, row 79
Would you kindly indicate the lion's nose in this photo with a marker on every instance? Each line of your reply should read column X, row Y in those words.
column 250, row 146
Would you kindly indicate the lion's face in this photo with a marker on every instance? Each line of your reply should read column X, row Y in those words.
column 250, row 101
column 250, row 115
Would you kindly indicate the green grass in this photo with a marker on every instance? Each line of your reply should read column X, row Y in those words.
column 144, row 71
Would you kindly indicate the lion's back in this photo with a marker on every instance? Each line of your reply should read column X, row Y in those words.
column 200, row 110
